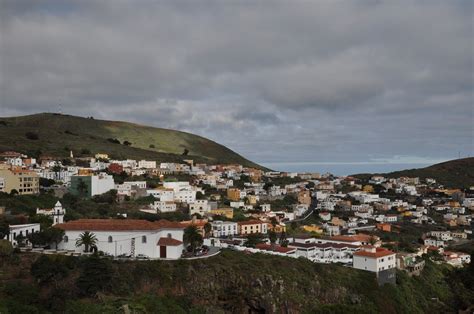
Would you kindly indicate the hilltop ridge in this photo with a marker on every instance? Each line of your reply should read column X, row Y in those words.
column 58, row 134
column 453, row 173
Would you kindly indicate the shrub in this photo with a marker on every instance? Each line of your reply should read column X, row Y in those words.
column 113, row 140
column 32, row 136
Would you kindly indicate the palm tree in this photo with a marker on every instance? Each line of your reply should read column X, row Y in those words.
column 192, row 237
column 88, row 239
column 207, row 228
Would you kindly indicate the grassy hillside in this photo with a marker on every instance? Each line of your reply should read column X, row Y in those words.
column 232, row 282
column 58, row 134
column 457, row 173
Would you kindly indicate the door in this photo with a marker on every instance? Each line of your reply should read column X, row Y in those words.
column 162, row 251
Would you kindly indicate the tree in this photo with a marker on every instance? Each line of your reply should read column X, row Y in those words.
column 192, row 237
column 127, row 143
column 88, row 239
column 283, row 240
column 95, row 275
column 273, row 237
column 185, row 152
column 207, row 228
column 82, row 188
column 54, row 235
column 4, row 228
column 32, row 136
column 6, row 248
column 253, row 239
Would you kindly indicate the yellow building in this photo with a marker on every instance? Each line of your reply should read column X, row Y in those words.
column 368, row 188
column 279, row 228
column 227, row 212
column 313, row 228
column 304, row 197
column 23, row 181
column 233, row 194
column 252, row 199
column 252, row 226
column 101, row 156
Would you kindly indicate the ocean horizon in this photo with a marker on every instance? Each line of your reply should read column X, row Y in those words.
column 342, row 168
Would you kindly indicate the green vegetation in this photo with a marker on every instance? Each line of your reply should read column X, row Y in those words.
column 51, row 133
column 458, row 173
column 229, row 282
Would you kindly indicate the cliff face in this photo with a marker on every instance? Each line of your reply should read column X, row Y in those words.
column 231, row 282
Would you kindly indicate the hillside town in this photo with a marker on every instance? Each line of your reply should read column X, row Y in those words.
column 143, row 209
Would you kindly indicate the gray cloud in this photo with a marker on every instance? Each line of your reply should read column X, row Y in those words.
column 280, row 81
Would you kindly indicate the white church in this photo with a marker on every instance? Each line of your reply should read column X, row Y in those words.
column 158, row 240
column 57, row 213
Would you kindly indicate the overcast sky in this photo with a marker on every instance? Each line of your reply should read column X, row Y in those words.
column 277, row 81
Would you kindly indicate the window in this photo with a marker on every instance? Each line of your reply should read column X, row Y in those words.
column 66, row 239
column 110, row 239
column 143, row 239
column 169, row 235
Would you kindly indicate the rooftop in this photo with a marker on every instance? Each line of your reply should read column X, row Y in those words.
column 117, row 225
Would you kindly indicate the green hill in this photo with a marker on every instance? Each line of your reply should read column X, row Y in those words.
column 458, row 173
column 57, row 134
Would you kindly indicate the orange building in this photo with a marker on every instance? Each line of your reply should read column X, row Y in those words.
column 233, row 194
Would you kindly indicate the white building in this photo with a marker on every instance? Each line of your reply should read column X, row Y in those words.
column 265, row 207
column 159, row 239
column 96, row 184
column 147, row 164
column 201, row 207
column 374, row 259
column 224, row 228
column 23, row 231
column 164, row 206
column 162, row 194
column 57, row 213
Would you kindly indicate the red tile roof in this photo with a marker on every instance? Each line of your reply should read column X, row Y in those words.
column 277, row 248
column 117, row 225
column 169, row 242
column 379, row 252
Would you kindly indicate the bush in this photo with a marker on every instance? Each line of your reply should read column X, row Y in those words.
column 95, row 275
column 32, row 136
column 85, row 151
column 113, row 140
column 127, row 143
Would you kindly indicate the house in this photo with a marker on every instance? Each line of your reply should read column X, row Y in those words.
column 146, row 164
column 201, row 207
column 224, row 228
column 434, row 242
column 304, row 197
column 57, row 213
column 313, row 228
column 265, row 207
column 161, row 193
column 90, row 185
column 233, row 194
column 159, row 239
column 164, row 206
column 252, row 226
column 374, row 259
column 22, row 231
column 326, row 216
column 227, row 212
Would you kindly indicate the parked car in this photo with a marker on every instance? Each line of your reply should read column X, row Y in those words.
column 142, row 256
